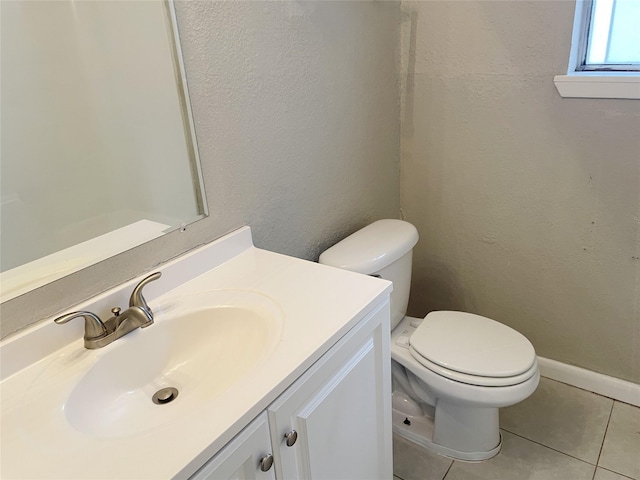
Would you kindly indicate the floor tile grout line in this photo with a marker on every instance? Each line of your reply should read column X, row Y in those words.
column 550, row 448
column 617, row 473
column 606, row 429
column 448, row 470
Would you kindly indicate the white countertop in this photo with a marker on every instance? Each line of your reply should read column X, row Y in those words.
column 319, row 305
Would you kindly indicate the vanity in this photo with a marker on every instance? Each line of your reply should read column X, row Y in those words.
column 257, row 365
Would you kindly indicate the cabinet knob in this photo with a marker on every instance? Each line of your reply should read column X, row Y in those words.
column 291, row 438
column 266, row 462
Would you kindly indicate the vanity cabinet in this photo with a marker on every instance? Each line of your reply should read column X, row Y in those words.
column 333, row 422
column 241, row 458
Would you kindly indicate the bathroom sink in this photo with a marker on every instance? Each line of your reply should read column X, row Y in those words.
column 201, row 345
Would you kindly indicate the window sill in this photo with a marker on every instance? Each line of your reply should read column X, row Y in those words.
column 585, row 85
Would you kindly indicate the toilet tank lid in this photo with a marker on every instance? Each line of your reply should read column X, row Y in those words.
column 372, row 248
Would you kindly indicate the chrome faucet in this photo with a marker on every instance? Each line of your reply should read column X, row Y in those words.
column 98, row 334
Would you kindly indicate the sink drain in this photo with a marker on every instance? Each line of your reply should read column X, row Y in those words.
column 165, row 395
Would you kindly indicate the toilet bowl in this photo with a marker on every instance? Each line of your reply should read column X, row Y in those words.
column 461, row 410
column 452, row 371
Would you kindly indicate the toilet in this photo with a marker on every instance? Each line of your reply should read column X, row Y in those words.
column 451, row 371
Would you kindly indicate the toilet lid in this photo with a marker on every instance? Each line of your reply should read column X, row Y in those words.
column 472, row 345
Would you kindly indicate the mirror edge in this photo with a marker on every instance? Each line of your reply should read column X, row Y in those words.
column 187, row 112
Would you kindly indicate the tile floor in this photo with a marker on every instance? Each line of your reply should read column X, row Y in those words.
column 560, row 432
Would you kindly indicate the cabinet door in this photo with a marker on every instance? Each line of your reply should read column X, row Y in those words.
column 240, row 459
column 340, row 410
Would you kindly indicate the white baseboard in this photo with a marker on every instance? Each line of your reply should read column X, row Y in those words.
column 627, row 392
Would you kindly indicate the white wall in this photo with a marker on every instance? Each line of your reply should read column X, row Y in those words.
column 527, row 204
column 296, row 109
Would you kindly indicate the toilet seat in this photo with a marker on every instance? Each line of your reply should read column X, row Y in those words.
column 472, row 349
column 478, row 380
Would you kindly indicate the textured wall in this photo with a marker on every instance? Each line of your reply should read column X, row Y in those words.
column 527, row 204
column 296, row 109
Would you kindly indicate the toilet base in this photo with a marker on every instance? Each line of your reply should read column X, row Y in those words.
column 419, row 429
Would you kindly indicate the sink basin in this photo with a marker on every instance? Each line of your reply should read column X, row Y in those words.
column 200, row 344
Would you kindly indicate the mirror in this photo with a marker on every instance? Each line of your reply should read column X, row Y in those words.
column 98, row 151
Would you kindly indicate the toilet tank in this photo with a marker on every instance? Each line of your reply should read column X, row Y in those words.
column 385, row 249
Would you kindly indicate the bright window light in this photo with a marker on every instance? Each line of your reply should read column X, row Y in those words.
column 613, row 40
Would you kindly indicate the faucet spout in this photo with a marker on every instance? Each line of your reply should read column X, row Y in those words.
column 133, row 316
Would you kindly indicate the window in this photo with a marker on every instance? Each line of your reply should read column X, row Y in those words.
column 605, row 51
column 613, row 36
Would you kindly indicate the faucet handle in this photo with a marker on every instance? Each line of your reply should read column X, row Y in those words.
column 137, row 299
column 93, row 326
